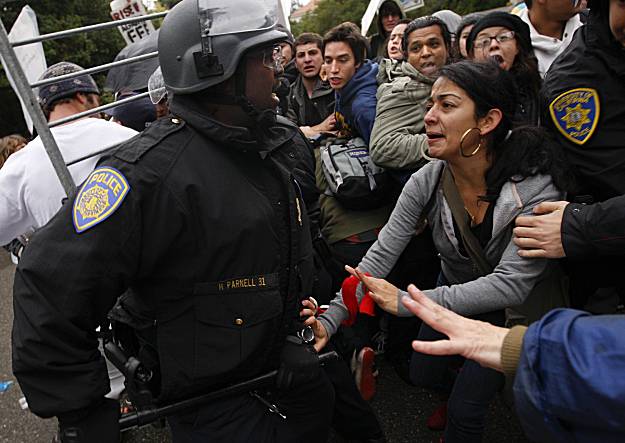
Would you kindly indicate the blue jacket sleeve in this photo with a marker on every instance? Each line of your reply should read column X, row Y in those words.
column 569, row 384
column 363, row 110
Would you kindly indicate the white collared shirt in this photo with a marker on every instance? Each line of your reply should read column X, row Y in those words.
column 548, row 48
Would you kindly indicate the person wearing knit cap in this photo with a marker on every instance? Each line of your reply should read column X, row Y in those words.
column 82, row 88
column 505, row 39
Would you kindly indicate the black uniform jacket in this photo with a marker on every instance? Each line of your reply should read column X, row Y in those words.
column 597, row 230
column 592, row 61
column 212, row 238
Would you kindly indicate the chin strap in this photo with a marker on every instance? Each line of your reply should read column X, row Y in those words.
column 239, row 98
column 263, row 120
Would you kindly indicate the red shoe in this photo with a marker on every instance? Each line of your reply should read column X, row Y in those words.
column 438, row 420
column 365, row 377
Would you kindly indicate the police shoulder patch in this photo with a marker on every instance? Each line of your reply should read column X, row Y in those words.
column 100, row 196
column 576, row 113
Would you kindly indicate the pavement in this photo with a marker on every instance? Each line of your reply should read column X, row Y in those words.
column 402, row 409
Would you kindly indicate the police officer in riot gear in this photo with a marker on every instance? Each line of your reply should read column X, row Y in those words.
column 202, row 220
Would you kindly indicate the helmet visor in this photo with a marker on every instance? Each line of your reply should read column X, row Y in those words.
column 156, row 86
column 221, row 17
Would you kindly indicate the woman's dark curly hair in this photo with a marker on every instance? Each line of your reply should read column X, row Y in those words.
column 515, row 153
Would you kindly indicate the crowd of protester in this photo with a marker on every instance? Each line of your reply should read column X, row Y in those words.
column 473, row 124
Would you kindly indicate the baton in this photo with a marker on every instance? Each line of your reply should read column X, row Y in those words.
column 152, row 413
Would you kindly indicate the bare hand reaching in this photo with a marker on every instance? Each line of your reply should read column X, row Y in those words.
column 475, row 340
column 382, row 292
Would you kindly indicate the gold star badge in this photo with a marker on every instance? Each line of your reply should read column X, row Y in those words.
column 576, row 117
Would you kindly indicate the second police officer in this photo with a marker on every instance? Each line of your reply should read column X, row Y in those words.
column 201, row 220
column 584, row 92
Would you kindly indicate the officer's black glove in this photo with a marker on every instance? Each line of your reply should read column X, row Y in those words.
column 98, row 425
column 299, row 363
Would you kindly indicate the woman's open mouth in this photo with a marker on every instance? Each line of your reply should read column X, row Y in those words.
column 434, row 137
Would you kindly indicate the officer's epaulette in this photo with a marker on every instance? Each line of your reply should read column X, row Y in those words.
column 160, row 129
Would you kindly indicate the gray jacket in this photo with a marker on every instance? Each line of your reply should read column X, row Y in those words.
column 396, row 139
column 513, row 277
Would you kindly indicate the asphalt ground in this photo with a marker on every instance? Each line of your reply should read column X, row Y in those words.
column 402, row 409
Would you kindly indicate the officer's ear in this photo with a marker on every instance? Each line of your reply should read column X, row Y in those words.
column 490, row 121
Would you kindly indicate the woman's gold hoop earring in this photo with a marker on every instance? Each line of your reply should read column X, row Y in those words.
column 462, row 139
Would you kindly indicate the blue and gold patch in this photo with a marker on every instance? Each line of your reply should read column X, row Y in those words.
column 576, row 114
column 100, row 196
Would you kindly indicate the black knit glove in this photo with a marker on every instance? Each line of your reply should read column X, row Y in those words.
column 299, row 363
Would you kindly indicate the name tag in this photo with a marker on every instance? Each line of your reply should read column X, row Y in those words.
column 249, row 283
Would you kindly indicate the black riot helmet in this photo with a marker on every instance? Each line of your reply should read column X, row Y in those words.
column 202, row 42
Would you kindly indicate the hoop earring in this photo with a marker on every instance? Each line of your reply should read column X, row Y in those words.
column 479, row 145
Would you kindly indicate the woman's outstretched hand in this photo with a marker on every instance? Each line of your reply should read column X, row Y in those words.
column 382, row 292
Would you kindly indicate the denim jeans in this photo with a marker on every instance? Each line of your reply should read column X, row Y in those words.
column 471, row 388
